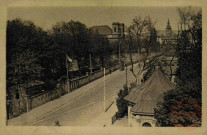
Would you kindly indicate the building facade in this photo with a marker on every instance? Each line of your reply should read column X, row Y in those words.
column 113, row 34
column 168, row 36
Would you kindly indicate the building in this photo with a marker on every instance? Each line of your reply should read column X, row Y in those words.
column 103, row 30
column 17, row 102
column 143, row 99
column 27, row 96
column 118, row 30
column 113, row 34
column 167, row 36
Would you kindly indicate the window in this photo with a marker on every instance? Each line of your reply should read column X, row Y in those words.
column 114, row 29
column 146, row 124
column 119, row 30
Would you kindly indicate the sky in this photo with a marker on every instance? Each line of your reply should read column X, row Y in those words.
column 46, row 17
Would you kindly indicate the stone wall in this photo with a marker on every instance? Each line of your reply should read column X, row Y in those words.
column 42, row 98
column 16, row 102
column 78, row 82
column 26, row 103
column 16, row 105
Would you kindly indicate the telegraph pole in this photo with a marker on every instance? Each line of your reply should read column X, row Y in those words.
column 90, row 63
column 126, row 77
column 104, row 91
column 119, row 51
column 68, row 85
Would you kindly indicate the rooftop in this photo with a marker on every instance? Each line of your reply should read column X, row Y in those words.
column 146, row 95
column 102, row 30
column 162, row 33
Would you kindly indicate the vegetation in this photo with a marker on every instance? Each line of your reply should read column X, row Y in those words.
column 150, row 70
column 121, row 103
column 182, row 106
column 34, row 54
column 142, row 35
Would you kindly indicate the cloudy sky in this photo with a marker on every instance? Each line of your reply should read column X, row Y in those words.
column 46, row 17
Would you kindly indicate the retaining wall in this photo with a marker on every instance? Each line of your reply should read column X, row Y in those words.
column 29, row 102
column 78, row 82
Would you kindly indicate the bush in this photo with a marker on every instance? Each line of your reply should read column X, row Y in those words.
column 121, row 103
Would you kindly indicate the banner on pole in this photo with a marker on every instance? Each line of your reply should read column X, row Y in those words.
column 68, row 58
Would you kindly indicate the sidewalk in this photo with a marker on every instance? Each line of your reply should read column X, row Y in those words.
column 123, row 122
column 102, row 118
column 55, row 104
column 105, row 118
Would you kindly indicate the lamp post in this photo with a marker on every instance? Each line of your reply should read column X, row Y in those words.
column 104, row 98
column 119, row 36
column 126, row 77
column 90, row 63
column 104, row 90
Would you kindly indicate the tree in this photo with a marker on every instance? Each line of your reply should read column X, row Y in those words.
column 121, row 103
column 150, row 70
column 73, row 37
column 100, row 49
column 152, row 38
column 141, row 29
column 185, row 16
column 80, row 42
column 130, row 38
column 53, row 61
column 23, row 41
column 137, row 29
column 154, row 46
column 182, row 106
column 190, row 54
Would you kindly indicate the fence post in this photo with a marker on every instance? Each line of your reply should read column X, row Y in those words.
column 28, row 103
column 68, row 85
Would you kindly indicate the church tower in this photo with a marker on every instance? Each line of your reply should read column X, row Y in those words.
column 168, row 28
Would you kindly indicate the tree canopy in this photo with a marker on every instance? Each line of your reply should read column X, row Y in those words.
column 35, row 54
column 182, row 106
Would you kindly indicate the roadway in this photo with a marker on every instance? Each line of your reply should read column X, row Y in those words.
column 80, row 107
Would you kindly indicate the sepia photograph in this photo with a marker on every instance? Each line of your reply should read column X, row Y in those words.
column 104, row 66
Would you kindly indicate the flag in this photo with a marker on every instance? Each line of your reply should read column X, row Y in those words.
column 74, row 66
column 68, row 58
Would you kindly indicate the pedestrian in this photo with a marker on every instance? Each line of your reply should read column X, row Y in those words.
column 57, row 123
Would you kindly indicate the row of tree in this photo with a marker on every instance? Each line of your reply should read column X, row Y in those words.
column 142, row 35
column 34, row 54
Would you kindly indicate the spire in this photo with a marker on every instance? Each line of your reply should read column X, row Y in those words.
column 168, row 25
column 168, row 22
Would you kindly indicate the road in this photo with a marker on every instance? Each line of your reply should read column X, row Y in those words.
column 80, row 107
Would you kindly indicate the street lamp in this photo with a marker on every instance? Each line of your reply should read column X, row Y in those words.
column 126, row 77
column 119, row 48
column 120, row 36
